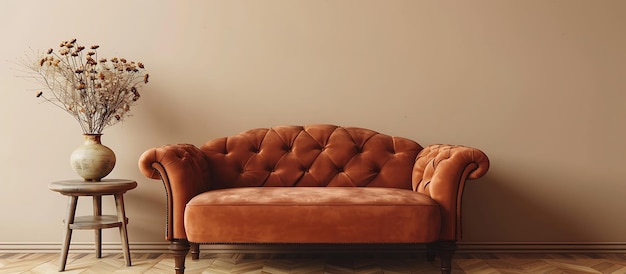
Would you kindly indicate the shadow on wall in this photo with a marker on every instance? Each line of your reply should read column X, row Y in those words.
column 504, row 208
column 146, row 210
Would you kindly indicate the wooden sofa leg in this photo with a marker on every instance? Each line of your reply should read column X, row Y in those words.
column 195, row 251
column 445, row 251
column 179, row 248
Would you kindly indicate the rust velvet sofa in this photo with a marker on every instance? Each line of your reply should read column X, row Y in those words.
column 316, row 184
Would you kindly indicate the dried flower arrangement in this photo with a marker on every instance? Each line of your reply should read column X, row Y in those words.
column 97, row 92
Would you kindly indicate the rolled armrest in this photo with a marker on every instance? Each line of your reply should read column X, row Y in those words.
column 184, row 171
column 441, row 171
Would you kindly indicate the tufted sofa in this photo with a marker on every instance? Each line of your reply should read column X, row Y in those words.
column 316, row 184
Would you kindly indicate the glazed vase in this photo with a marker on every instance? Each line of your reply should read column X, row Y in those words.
column 92, row 160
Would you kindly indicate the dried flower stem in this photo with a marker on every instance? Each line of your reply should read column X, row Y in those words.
column 97, row 92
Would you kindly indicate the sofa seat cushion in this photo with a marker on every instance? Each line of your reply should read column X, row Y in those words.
column 312, row 215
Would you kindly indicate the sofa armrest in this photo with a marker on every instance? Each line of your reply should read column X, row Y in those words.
column 441, row 171
column 183, row 169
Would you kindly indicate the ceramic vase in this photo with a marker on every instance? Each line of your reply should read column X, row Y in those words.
column 92, row 160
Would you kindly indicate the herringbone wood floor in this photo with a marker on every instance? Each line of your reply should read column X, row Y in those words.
column 317, row 263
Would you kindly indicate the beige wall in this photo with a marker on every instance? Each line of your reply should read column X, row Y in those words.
column 540, row 86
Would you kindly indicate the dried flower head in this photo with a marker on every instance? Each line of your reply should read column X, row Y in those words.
column 97, row 94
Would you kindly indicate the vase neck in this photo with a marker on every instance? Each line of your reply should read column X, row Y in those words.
column 92, row 138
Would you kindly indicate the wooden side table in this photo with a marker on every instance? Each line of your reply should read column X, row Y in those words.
column 77, row 188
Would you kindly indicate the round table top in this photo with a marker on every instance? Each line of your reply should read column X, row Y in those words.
column 81, row 187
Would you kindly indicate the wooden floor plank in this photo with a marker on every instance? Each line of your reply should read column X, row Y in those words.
column 482, row 263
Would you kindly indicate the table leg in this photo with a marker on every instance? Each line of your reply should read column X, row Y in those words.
column 69, row 219
column 121, row 216
column 97, row 211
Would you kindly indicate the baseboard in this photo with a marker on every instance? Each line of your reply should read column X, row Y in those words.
column 542, row 247
column 81, row 247
column 463, row 247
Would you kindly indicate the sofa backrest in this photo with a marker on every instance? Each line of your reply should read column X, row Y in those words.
column 315, row 155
